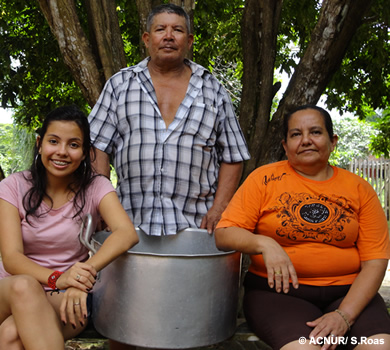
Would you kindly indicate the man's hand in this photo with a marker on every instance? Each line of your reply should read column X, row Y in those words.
column 210, row 220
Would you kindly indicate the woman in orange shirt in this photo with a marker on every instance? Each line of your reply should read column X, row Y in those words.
column 319, row 245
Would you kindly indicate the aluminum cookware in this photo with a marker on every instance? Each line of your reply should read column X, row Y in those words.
column 171, row 292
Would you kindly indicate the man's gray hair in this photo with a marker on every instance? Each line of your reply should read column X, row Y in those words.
column 168, row 8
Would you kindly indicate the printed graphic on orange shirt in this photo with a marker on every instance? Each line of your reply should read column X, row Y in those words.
column 268, row 179
column 304, row 216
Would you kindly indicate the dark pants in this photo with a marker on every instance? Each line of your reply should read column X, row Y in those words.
column 278, row 318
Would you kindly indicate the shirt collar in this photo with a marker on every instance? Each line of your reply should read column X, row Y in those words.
column 195, row 68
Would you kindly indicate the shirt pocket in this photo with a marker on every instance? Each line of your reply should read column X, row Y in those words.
column 201, row 123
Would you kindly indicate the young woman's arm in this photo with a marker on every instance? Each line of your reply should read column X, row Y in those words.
column 122, row 238
column 123, row 235
column 11, row 245
column 16, row 263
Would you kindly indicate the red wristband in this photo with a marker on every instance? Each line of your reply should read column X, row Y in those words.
column 52, row 280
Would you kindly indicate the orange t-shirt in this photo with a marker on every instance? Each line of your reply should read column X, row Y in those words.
column 326, row 227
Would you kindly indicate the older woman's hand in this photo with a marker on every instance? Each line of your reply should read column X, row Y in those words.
column 279, row 266
column 330, row 325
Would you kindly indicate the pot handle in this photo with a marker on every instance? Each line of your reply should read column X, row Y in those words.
column 86, row 233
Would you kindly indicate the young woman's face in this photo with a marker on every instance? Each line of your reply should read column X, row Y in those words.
column 61, row 148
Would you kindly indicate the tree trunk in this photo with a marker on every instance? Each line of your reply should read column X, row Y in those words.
column 144, row 7
column 337, row 23
column 108, row 43
column 259, row 33
column 89, row 66
column 62, row 18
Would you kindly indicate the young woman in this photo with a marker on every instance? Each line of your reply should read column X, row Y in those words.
column 319, row 246
column 46, row 274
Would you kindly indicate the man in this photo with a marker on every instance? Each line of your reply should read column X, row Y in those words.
column 178, row 148
column 170, row 125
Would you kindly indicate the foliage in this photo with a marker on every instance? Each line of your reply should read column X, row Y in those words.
column 217, row 31
column 380, row 143
column 34, row 79
column 229, row 75
column 298, row 21
column 353, row 142
column 362, row 83
column 130, row 29
column 364, row 76
column 15, row 148
column 33, row 76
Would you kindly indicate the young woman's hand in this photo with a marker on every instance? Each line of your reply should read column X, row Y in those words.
column 73, row 307
column 80, row 275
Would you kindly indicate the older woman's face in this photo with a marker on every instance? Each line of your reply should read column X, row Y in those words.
column 308, row 143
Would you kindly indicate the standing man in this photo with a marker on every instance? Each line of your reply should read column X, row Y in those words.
column 170, row 126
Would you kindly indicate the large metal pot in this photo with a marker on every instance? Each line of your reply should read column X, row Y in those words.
column 170, row 292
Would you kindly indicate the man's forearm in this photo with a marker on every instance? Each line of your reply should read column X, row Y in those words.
column 101, row 164
column 228, row 180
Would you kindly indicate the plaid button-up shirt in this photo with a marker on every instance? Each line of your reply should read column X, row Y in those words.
column 167, row 177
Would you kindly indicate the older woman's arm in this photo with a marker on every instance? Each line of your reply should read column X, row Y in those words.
column 275, row 258
column 362, row 290
column 236, row 238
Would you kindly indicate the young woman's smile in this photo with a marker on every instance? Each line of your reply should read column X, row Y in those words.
column 61, row 148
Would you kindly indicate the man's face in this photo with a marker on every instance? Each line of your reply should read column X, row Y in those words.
column 168, row 39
